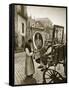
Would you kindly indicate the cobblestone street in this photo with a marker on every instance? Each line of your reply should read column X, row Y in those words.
column 20, row 69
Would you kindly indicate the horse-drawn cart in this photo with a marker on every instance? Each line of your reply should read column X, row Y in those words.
column 51, row 56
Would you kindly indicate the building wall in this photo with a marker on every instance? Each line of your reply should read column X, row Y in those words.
column 16, row 20
column 20, row 34
column 42, row 25
column 20, row 18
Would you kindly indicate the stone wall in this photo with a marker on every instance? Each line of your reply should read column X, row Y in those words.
column 19, row 19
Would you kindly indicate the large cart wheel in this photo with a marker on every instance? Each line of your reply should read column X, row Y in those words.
column 52, row 76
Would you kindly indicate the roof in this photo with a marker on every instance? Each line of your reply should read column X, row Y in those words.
column 40, row 23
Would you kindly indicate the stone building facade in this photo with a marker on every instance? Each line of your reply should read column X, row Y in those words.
column 41, row 25
column 20, row 26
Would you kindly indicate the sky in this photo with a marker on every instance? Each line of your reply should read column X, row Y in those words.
column 56, row 15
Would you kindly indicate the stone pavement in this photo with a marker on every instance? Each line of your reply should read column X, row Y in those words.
column 20, row 70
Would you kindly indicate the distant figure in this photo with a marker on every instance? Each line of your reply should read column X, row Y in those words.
column 29, row 64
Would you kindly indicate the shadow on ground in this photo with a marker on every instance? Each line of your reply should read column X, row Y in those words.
column 29, row 80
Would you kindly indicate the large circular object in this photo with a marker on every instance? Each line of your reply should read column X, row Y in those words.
column 38, row 40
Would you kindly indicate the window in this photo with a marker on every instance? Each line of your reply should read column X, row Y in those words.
column 22, row 27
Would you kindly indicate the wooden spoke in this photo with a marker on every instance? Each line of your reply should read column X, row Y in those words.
column 52, row 76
